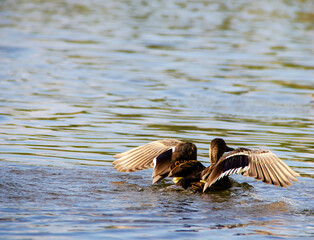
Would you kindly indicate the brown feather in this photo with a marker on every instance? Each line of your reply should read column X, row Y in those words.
column 263, row 165
column 292, row 173
column 265, row 173
column 185, row 168
column 141, row 157
column 283, row 180
column 274, row 179
column 162, row 164
column 182, row 162
column 213, row 176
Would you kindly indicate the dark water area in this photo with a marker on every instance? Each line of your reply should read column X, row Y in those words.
column 83, row 80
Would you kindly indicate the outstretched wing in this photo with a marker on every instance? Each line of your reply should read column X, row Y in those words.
column 142, row 157
column 261, row 164
column 161, row 165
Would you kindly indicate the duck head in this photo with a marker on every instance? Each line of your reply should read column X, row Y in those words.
column 217, row 148
column 185, row 151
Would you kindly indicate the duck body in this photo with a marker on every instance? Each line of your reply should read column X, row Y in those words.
column 178, row 159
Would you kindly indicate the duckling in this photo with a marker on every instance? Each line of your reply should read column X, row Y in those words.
column 178, row 159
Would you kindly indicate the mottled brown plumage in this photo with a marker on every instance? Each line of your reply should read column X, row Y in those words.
column 173, row 158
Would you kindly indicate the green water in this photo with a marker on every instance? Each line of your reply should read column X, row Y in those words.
column 83, row 80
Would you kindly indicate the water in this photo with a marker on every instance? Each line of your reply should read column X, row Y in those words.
column 83, row 80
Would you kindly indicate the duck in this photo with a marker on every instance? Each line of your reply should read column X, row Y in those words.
column 178, row 159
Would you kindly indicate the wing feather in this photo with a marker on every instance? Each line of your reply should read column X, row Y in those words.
column 292, row 174
column 283, row 180
column 141, row 157
column 251, row 172
column 267, row 178
column 275, row 180
column 262, row 165
column 280, row 172
column 259, row 170
column 137, row 161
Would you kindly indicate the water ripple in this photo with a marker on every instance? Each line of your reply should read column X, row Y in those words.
column 80, row 82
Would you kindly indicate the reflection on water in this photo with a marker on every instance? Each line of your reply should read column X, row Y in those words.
column 81, row 81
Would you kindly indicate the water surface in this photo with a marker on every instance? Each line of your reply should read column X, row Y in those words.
column 82, row 81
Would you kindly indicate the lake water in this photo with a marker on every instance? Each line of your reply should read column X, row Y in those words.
column 83, row 80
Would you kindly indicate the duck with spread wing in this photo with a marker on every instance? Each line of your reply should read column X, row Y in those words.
column 178, row 159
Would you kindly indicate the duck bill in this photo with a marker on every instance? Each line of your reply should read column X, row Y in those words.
column 229, row 149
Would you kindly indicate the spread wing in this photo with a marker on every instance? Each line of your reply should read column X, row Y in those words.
column 261, row 164
column 161, row 165
column 142, row 157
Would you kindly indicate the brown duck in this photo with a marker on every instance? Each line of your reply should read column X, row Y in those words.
column 178, row 159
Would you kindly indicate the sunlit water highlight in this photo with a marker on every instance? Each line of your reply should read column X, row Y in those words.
column 82, row 81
